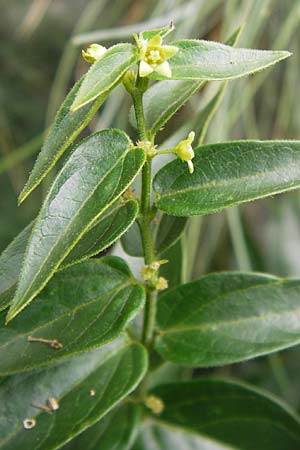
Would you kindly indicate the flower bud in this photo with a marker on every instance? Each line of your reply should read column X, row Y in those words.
column 185, row 151
column 93, row 53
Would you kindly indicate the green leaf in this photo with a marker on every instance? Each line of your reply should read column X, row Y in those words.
column 10, row 266
column 228, row 174
column 163, row 100
column 205, row 116
column 132, row 242
column 163, row 437
column 201, row 119
column 229, row 413
column 148, row 34
column 111, row 376
column 228, row 317
column 105, row 73
column 207, row 60
column 169, row 230
column 166, row 233
column 98, row 171
column 66, row 127
column 116, row 431
column 106, row 230
column 82, row 307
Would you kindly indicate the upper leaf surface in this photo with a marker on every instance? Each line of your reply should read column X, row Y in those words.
column 228, row 317
column 10, row 266
column 163, row 99
column 230, row 413
column 105, row 73
column 116, row 431
column 227, row 174
column 82, row 307
column 149, row 34
column 95, row 175
column 111, row 376
column 207, row 60
column 106, row 230
column 66, row 127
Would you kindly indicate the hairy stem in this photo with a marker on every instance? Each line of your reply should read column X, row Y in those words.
column 146, row 217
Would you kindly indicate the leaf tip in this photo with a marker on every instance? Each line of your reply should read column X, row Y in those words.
column 285, row 54
column 22, row 196
column 10, row 315
column 74, row 107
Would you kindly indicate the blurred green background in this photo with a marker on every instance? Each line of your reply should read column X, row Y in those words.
column 40, row 49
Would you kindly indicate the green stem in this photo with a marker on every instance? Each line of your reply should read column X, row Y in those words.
column 137, row 97
column 145, row 216
column 149, row 317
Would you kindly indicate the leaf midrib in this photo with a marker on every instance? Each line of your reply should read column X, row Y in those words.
column 223, row 182
column 122, row 158
column 109, row 293
column 73, row 386
column 226, row 323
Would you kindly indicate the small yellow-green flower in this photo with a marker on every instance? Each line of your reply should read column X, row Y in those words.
column 185, row 151
column 93, row 53
column 154, row 57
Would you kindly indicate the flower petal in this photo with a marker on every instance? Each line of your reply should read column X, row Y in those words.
column 169, row 51
column 191, row 137
column 145, row 69
column 190, row 166
column 164, row 69
column 155, row 41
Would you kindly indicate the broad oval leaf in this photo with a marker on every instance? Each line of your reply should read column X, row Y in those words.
column 229, row 413
column 95, row 175
column 110, row 376
column 82, row 307
column 116, row 431
column 207, row 60
column 66, row 127
column 105, row 73
column 228, row 174
column 228, row 317
column 106, row 230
